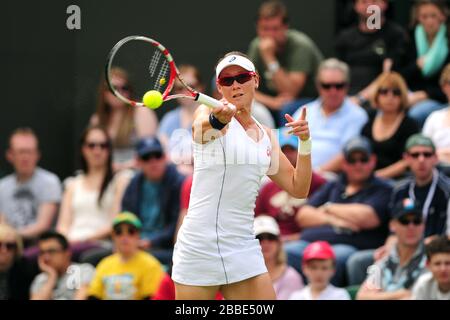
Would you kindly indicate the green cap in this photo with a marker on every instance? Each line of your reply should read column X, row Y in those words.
column 419, row 139
column 129, row 218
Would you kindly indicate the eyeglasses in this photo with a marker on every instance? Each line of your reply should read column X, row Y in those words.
column 119, row 230
column 416, row 155
column 93, row 145
column 240, row 78
column 404, row 221
column 337, row 85
column 51, row 252
column 353, row 160
column 385, row 91
column 10, row 246
column 267, row 236
column 151, row 155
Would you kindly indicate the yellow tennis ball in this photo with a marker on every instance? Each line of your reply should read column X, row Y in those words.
column 162, row 81
column 152, row 99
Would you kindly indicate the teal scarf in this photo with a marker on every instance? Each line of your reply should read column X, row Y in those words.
column 434, row 56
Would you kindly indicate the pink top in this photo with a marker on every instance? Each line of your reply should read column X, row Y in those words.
column 289, row 282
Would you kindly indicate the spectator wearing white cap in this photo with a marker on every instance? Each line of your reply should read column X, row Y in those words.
column 285, row 279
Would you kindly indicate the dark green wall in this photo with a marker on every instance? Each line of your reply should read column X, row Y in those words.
column 50, row 74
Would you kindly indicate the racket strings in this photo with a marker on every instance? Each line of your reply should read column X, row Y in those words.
column 162, row 75
column 154, row 62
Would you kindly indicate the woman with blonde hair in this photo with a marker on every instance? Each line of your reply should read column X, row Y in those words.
column 285, row 279
column 389, row 126
column 123, row 123
column 16, row 274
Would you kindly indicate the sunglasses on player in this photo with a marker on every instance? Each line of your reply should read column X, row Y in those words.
column 240, row 78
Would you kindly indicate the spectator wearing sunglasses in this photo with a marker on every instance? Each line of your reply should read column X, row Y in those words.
column 61, row 279
column 427, row 186
column 91, row 199
column 129, row 273
column 350, row 213
column 16, row 274
column 334, row 119
column 30, row 196
column 154, row 196
column 287, row 60
column 435, row 285
column 395, row 275
column 389, row 126
column 285, row 279
column 125, row 125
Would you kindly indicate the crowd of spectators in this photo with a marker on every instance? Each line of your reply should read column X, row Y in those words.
column 376, row 224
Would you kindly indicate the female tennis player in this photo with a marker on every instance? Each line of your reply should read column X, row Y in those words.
column 216, row 248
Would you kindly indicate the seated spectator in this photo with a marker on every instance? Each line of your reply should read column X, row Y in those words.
column 396, row 274
column 154, row 195
column 318, row 265
column 286, row 59
column 61, row 279
column 175, row 130
column 428, row 187
column 91, row 199
column 30, row 196
column 389, row 126
column 16, row 274
column 333, row 118
column 128, row 274
column 435, row 285
column 277, row 203
column 350, row 213
column 285, row 279
column 437, row 125
column 124, row 124
column 370, row 50
column 427, row 55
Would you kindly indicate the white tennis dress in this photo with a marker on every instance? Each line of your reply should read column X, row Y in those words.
column 216, row 243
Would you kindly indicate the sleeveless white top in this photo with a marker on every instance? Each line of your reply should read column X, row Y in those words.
column 87, row 216
column 216, row 243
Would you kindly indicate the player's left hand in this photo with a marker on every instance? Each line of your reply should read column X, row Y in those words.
column 299, row 127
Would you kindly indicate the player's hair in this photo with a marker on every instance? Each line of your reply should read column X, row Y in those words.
column 53, row 235
column 272, row 9
column 26, row 131
column 391, row 80
column 445, row 75
column 84, row 165
column 6, row 229
column 103, row 110
column 439, row 245
column 335, row 64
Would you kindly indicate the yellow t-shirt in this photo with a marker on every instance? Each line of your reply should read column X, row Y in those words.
column 134, row 279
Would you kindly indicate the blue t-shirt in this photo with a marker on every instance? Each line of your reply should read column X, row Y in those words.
column 375, row 193
column 331, row 133
column 151, row 215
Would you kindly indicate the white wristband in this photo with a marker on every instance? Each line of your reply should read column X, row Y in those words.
column 304, row 147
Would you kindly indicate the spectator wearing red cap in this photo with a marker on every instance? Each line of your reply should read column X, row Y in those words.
column 286, row 279
column 318, row 265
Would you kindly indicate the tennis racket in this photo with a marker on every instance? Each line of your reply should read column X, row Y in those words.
column 150, row 67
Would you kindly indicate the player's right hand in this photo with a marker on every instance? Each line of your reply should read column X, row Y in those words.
column 224, row 113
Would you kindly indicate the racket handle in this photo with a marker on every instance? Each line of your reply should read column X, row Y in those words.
column 207, row 100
